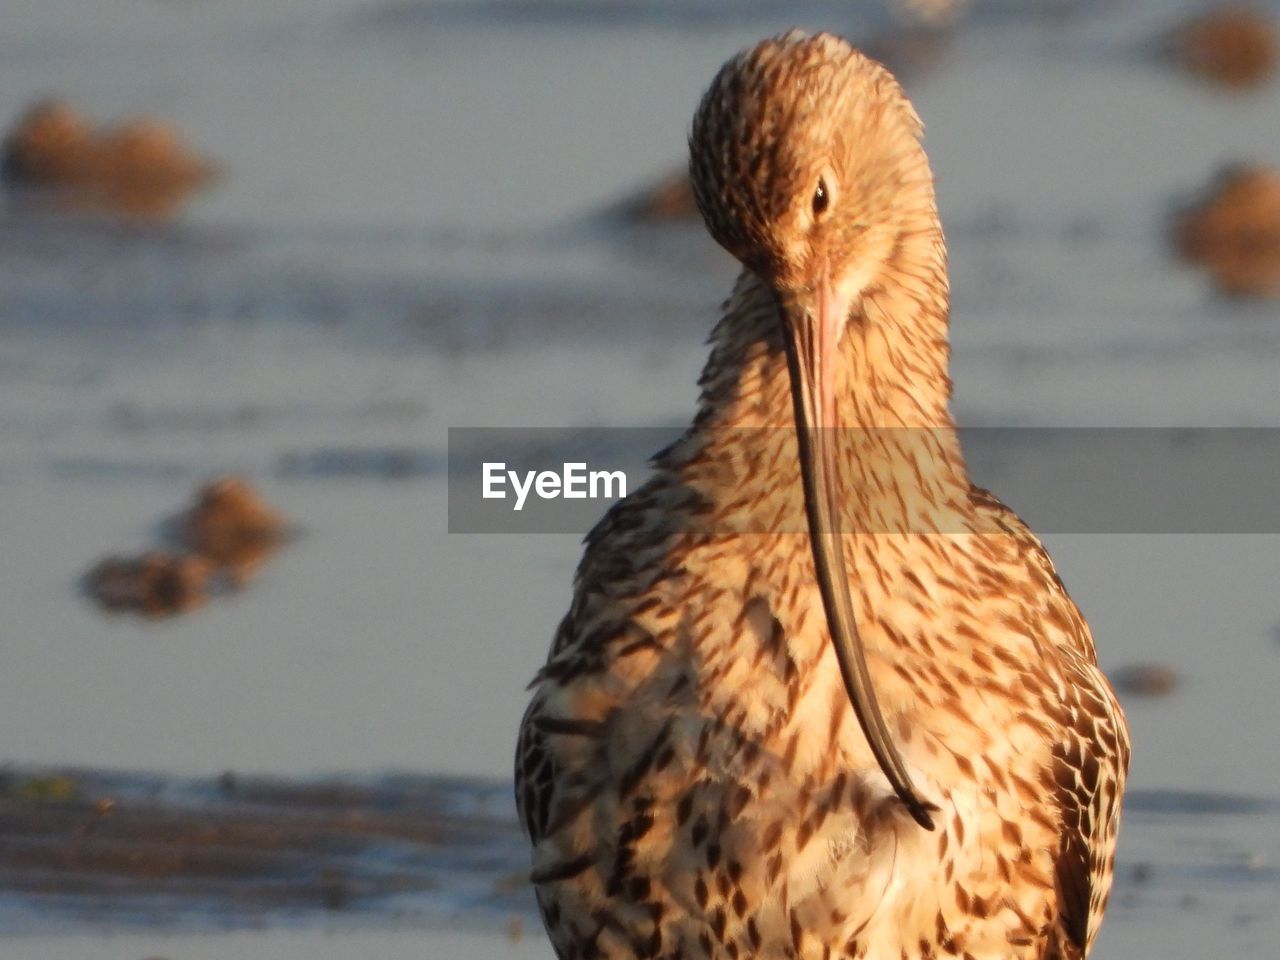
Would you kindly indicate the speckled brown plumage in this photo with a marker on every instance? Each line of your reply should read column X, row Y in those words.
column 690, row 771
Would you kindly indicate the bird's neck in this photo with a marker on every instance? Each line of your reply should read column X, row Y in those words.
column 891, row 370
column 894, row 435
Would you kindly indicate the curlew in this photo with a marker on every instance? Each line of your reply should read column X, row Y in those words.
column 817, row 695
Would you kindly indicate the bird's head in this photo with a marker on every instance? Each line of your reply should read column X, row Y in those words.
column 807, row 166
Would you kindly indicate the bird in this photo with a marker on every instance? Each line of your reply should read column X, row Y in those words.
column 817, row 695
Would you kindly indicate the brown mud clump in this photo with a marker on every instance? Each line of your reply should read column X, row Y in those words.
column 232, row 526
column 217, row 546
column 140, row 168
column 1234, row 231
column 933, row 13
column 1147, row 680
column 155, row 584
column 912, row 53
column 668, row 200
column 1234, row 47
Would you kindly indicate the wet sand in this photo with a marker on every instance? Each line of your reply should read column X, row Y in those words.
column 287, row 944
column 89, row 851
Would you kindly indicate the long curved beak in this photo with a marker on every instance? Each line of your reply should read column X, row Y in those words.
column 813, row 322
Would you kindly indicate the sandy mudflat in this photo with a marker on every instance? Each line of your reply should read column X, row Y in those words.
column 285, row 944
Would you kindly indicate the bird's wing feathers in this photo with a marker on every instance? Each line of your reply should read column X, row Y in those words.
column 1071, row 630
column 535, row 775
column 1089, row 763
column 1088, row 775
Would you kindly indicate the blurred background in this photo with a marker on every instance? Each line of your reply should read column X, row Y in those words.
column 257, row 256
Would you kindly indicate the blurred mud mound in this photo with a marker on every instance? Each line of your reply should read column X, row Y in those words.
column 220, row 544
column 934, row 13
column 1234, row 231
column 156, row 584
column 233, row 527
column 668, row 200
column 912, row 52
column 125, row 849
column 1234, row 47
column 1147, row 680
column 142, row 168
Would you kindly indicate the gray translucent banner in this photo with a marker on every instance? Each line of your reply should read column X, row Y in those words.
column 1059, row 480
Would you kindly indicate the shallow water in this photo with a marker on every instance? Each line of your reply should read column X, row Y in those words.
column 90, row 852
column 99, row 850
column 408, row 239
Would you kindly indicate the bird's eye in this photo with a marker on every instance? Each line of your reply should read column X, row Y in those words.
column 820, row 198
